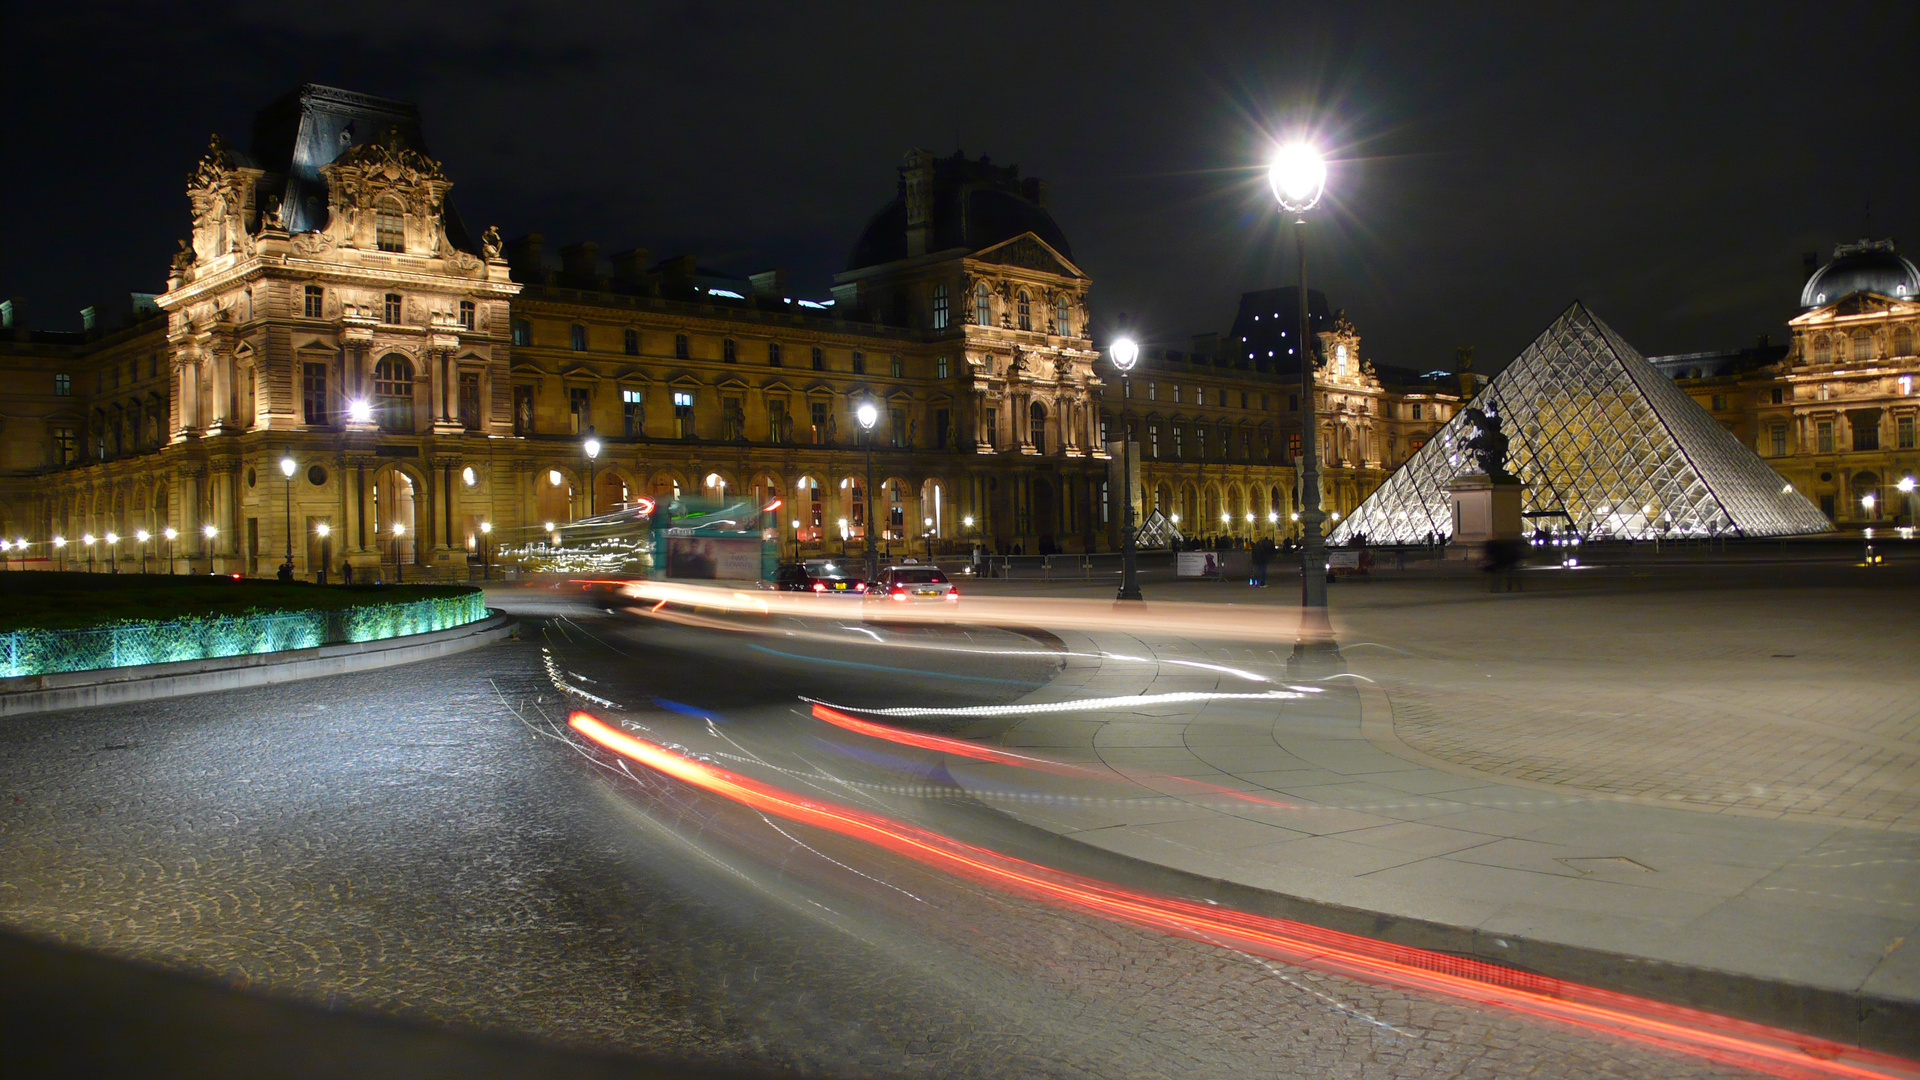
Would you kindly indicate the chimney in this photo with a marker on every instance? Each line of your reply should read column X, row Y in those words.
column 527, row 259
column 769, row 285
column 580, row 264
column 630, row 269
column 916, row 187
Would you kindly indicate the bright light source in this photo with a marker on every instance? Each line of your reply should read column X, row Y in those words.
column 1273, row 517
column 359, row 410
column 1906, row 484
column 967, row 521
column 209, row 531
column 867, row 414
column 87, row 539
column 171, row 533
column 323, row 529
column 141, row 535
column 486, row 526
column 546, row 526
column 1124, row 353
column 113, row 538
column 467, row 474
column 554, row 477
column 59, row 541
column 593, row 448
column 399, row 529
column 287, row 466
column 1298, row 176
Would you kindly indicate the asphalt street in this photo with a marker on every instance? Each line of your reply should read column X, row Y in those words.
column 428, row 842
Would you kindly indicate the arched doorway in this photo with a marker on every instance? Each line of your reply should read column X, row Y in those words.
column 933, row 508
column 553, row 497
column 612, row 490
column 396, row 524
column 809, row 511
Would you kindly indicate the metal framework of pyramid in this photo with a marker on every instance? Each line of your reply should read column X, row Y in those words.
column 1604, row 443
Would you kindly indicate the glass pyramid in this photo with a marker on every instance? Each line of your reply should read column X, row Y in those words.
column 1604, row 443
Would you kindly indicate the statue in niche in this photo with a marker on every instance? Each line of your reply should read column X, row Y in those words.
column 1489, row 444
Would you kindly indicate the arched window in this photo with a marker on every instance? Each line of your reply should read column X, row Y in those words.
column 1903, row 341
column 389, row 227
column 1862, row 345
column 1024, row 311
column 982, row 310
column 1062, row 321
column 939, row 307
column 393, row 393
column 1037, row 427
column 1822, row 350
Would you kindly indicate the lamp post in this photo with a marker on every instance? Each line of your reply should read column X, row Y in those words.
column 87, row 540
column 399, row 574
column 1124, row 352
column 486, row 550
column 1298, row 176
column 928, row 522
column 325, row 532
column 207, row 533
column 113, row 552
column 171, row 534
column 60, row 551
column 868, row 414
column 592, row 447
column 286, row 469
column 143, row 536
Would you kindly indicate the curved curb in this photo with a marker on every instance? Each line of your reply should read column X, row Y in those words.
column 1870, row 1021
column 31, row 694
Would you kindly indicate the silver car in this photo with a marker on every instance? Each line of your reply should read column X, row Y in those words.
column 911, row 583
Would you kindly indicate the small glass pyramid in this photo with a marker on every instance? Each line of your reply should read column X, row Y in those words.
column 1604, row 443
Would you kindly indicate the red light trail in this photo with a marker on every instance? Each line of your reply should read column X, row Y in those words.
column 1689, row 1031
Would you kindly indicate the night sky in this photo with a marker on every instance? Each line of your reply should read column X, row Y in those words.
column 1666, row 163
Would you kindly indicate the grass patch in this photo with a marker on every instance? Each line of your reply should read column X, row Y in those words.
column 57, row 601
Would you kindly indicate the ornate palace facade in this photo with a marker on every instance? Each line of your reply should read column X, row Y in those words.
column 433, row 390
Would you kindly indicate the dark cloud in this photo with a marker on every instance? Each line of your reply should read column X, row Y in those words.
column 1666, row 163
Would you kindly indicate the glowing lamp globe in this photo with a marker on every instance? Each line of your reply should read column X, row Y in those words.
column 867, row 415
column 287, row 466
column 593, row 448
column 1298, row 176
column 1124, row 352
column 171, row 533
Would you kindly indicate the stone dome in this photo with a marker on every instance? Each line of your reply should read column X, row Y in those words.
column 1868, row 266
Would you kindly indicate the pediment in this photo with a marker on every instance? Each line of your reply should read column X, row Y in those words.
column 776, row 386
column 732, row 382
column 683, row 379
column 1028, row 252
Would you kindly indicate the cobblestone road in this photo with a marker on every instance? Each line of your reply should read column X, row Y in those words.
column 402, row 841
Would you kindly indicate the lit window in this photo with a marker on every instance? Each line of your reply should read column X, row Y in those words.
column 1062, row 322
column 982, row 311
column 1024, row 309
column 631, row 406
column 939, row 367
column 939, row 307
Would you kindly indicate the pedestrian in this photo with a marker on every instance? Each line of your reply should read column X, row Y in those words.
column 1262, row 556
column 346, row 571
column 286, row 571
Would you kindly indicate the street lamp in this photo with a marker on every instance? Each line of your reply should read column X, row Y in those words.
column 868, row 415
column 87, row 539
column 143, row 536
column 207, row 533
column 113, row 555
column 286, row 469
column 1298, row 176
column 486, row 549
column 1124, row 352
column 325, row 532
column 60, row 551
column 171, row 534
column 399, row 574
column 592, row 447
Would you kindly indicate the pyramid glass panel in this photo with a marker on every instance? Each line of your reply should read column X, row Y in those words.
column 1604, row 443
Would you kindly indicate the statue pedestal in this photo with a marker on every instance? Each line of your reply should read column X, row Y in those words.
column 1485, row 509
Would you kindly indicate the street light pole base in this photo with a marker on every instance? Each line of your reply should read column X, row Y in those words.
column 1130, row 599
column 1316, row 654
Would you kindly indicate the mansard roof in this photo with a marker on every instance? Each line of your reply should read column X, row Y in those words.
column 972, row 204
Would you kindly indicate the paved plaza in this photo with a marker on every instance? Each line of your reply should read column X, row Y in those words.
column 1698, row 768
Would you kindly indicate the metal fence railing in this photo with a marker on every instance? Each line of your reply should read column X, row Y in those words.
column 127, row 644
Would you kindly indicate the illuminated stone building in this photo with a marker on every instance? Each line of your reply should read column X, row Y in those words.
column 1834, row 411
column 434, row 386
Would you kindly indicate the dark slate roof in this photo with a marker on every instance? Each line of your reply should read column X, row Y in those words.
column 300, row 133
column 976, row 205
column 1269, row 321
column 1868, row 266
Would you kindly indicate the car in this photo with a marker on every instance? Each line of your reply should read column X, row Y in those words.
column 820, row 576
column 912, row 583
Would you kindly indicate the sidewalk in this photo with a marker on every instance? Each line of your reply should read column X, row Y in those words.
column 1705, row 779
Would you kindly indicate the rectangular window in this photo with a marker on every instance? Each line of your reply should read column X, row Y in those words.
column 773, row 354
column 1719, row 403
column 313, row 392
column 1105, row 436
column 1179, row 442
column 683, row 414
column 680, row 349
column 316, row 299
column 392, row 308
column 389, row 231
column 859, row 362
column 1200, row 442
column 897, row 426
column 1823, row 432
column 62, row 385
column 1777, row 395
column 522, row 332
column 1416, row 410
column 467, row 315
column 631, row 341
column 939, row 367
column 1904, row 427
column 993, row 427
column 729, row 351
column 1153, row 440
column 1293, row 446
column 733, row 419
column 898, row 367
column 66, row 446
column 1777, row 437
column 943, row 418
column 1243, row 399
column 1199, row 395
column 1176, row 393
column 632, row 404
column 1293, row 402
column 579, row 408
column 817, row 418
column 577, row 337
column 1153, row 392
column 779, row 428
column 1866, row 433
column 940, row 310
column 470, row 400
column 819, row 358
column 523, row 410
